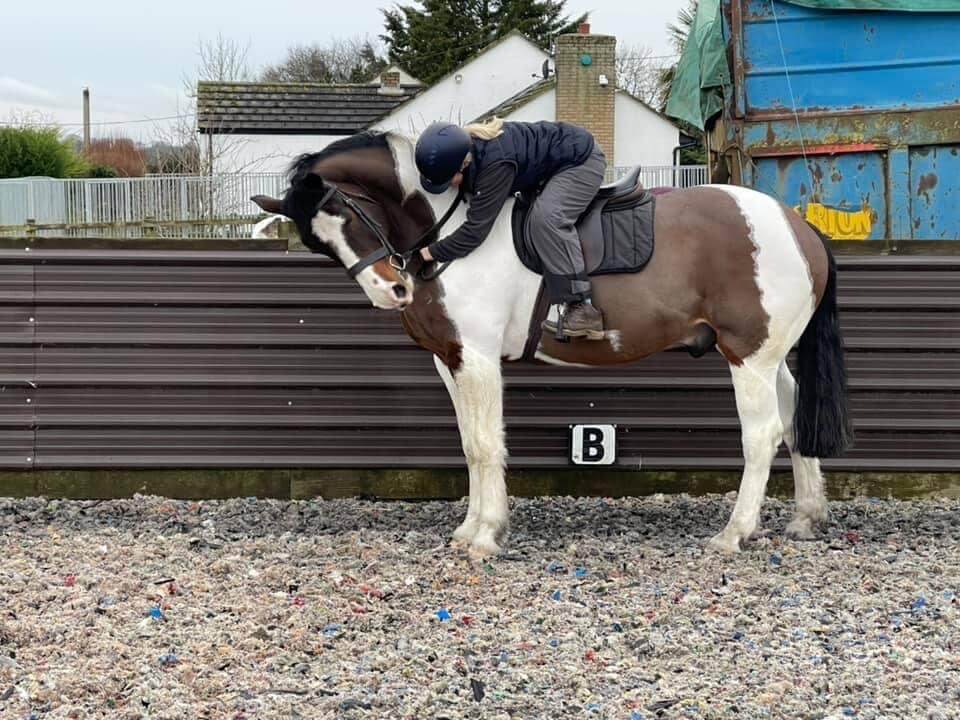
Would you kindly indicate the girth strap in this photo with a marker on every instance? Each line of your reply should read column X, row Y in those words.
column 540, row 309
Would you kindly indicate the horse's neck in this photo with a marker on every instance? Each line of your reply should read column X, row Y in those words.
column 488, row 295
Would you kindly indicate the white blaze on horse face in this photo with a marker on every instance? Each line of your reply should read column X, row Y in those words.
column 381, row 291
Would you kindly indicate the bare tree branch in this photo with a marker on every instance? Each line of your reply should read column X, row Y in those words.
column 183, row 148
column 223, row 59
column 353, row 60
column 637, row 73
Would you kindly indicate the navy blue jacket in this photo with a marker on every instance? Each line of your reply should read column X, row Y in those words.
column 538, row 151
column 523, row 158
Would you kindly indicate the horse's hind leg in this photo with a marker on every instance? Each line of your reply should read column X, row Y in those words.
column 811, row 503
column 477, row 396
column 761, row 430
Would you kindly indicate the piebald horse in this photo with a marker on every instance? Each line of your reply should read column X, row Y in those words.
column 727, row 258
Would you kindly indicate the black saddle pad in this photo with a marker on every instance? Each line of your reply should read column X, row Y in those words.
column 616, row 234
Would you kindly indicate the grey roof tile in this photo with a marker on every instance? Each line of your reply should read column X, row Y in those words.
column 291, row 108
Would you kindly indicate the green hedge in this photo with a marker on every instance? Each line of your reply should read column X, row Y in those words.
column 27, row 152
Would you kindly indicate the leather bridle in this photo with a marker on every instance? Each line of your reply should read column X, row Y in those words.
column 398, row 260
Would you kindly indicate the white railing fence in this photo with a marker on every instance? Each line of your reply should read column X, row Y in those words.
column 678, row 176
column 165, row 205
column 180, row 205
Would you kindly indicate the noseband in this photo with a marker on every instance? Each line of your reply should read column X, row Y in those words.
column 397, row 260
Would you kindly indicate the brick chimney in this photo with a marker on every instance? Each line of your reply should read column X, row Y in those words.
column 390, row 83
column 586, row 81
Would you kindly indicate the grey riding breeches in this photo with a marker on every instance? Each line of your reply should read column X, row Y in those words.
column 551, row 227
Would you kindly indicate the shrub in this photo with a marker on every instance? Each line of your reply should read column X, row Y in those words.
column 26, row 152
column 101, row 171
column 119, row 153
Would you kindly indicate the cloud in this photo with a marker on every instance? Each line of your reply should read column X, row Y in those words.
column 165, row 92
column 13, row 90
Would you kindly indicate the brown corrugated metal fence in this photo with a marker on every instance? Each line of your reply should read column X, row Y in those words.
column 175, row 359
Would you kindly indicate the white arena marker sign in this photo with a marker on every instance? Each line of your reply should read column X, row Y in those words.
column 593, row 444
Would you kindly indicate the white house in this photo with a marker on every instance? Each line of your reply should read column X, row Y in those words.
column 497, row 72
column 268, row 124
column 642, row 136
column 510, row 72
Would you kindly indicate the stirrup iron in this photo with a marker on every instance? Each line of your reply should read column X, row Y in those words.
column 560, row 336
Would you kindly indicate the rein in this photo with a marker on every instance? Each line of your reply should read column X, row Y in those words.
column 397, row 260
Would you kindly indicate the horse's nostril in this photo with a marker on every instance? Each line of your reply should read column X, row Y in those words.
column 400, row 291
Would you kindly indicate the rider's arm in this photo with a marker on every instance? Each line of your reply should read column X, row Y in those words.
column 491, row 192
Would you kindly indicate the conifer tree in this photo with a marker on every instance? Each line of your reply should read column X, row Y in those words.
column 434, row 37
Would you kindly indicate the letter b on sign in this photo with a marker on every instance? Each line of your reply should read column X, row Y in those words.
column 593, row 444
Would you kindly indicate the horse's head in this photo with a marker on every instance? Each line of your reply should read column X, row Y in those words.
column 340, row 221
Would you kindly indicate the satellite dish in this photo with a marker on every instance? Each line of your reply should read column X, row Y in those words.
column 545, row 69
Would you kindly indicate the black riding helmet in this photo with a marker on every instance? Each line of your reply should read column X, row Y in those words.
column 440, row 152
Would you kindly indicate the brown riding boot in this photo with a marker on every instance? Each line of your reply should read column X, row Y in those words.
column 579, row 320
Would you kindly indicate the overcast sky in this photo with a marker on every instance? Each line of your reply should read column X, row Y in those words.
column 134, row 55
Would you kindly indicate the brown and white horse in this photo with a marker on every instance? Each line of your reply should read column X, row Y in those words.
column 727, row 258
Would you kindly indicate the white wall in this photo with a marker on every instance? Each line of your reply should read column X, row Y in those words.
column 486, row 81
column 641, row 136
column 542, row 107
column 263, row 153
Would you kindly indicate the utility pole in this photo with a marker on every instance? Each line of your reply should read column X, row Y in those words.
column 86, row 119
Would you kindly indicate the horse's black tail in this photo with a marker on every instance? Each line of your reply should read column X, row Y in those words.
column 821, row 422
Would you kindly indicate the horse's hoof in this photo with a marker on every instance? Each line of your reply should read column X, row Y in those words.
column 464, row 534
column 484, row 544
column 819, row 515
column 725, row 542
column 801, row 528
column 483, row 551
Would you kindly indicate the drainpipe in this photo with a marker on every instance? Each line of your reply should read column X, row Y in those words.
column 682, row 146
column 676, row 158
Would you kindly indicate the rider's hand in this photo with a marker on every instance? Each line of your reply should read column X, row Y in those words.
column 425, row 254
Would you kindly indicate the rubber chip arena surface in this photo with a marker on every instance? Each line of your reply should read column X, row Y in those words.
column 155, row 608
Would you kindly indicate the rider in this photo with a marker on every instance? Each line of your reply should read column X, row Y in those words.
column 496, row 159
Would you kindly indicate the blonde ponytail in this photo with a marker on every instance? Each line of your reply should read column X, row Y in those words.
column 487, row 130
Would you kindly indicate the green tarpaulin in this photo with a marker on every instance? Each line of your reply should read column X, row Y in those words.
column 702, row 73
column 897, row 5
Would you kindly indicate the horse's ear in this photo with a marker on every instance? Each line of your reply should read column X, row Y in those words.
column 271, row 205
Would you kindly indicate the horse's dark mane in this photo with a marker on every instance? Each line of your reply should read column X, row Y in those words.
column 303, row 165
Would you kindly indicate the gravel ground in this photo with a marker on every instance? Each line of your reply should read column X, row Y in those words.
column 153, row 608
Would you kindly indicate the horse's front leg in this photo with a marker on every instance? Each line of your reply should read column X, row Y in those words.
column 476, row 389
column 468, row 528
